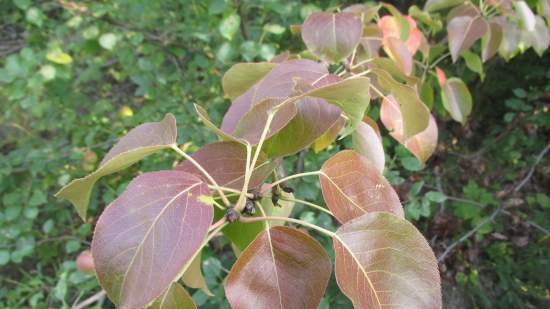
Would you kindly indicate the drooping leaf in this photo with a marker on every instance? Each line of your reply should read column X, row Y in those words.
column 242, row 76
column 457, row 99
column 352, row 186
column 332, row 36
column 193, row 277
column 282, row 268
column 421, row 145
column 414, row 111
column 398, row 52
column 176, row 297
column 463, row 32
column 141, row 141
column 436, row 5
column 384, row 261
column 148, row 236
column 368, row 142
column 511, row 37
column 330, row 136
column 491, row 41
column 526, row 16
column 226, row 163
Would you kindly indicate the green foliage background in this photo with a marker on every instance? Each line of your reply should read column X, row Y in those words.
column 74, row 76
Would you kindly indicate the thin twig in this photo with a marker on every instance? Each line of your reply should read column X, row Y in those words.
column 97, row 297
column 532, row 170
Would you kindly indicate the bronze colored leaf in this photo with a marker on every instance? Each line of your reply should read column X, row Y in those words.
column 383, row 261
column 398, row 52
column 463, row 32
column 282, row 268
column 352, row 186
column 332, row 36
column 176, row 297
column 141, row 141
column 242, row 76
column 368, row 142
column 226, row 163
column 148, row 236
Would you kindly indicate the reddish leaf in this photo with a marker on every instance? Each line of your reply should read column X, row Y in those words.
column 384, row 261
column 141, row 141
column 226, row 163
column 85, row 262
column 368, row 143
column 147, row 237
column 352, row 186
column 176, row 297
column 463, row 31
column 491, row 40
column 423, row 144
column 241, row 76
column 435, row 5
column 332, row 36
column 391, row 29
column 398, row 52
column 282, row 268
column 441, row 77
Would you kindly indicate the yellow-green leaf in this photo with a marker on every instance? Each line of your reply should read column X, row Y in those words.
column 59, row 57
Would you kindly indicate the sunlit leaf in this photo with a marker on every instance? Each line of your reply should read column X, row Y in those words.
column 368, row 142
column 352, row 186
column 491, row 41
column 193, row 277
column 226, row 163
column 330, row 136
column 463, row 32
column 176, row 297
column 423, row 144
column 457, row 99
column 242, row 76
column 59, row 57
column 539, row 38
column 332, row 36
column 392, row 28
column 398, row 52
column 526, row 16
column 148, row 236
column 282, row 268
column 473, row 62
column 138, row 143
column 384, row 261
column 436, row 5
column 511, row 37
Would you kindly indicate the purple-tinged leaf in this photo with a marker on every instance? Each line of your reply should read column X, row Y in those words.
column 465, row 9
column 203, row 116
column 463, row 32
column 383, row 261
column 368, row 143
column 352, row 186
column 176, row 297
column 226, row 163
column 242, row 76
column 282, row 268
column 147, row 237
column 141, row 141
column 491, row 41
column 457, row 99
column 421, row 145
column 332, row 36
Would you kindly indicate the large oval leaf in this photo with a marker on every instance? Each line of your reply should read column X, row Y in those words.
column 145, row 239
column 383, row 261
column 457, row 99
column 352, row 186
column 242, row 76
column 282, row 268
column 226, row 163
column 141, row 141
column 463, row 31
column 368, row 142
column 491, row 41
column 332, row 36
column 176, row 297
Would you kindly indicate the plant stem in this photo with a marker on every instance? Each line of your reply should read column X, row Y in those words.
column 438, row 60
column 360, row 63
column 306, row 203
column 203, row 171
column 230, row 190
column 315, row 173
column 217, row 224
column 292, row 220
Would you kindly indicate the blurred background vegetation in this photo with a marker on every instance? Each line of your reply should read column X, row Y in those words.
column 76, row 75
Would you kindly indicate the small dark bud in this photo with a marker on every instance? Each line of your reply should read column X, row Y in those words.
column 287, row 189
column 232, row 215
column 249, row 208
column 256, row 195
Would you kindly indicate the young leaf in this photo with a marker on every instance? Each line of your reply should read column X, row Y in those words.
column 384, row 261
column 226, row 163
column 332, row 36
column 193, row 277
column 141, row 141
column 398, row 52
column 242, row 76
column 463, row 31
column 457, row 99
column 368, row 142
column 352, row 186
column 423, row 144
column 392, row 28
column 149, row 235
column 282, row 268
column 176, row 297
column 491, row 41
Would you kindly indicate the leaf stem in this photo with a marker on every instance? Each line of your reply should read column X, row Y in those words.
column 217, row 224
column 230, row 190
column 292, row 220
column 306, row 203
column 203, row 171
column 268, row 187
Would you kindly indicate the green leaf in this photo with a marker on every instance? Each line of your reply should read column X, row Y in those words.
column 193, row 277
column 59, row 57
column 457, row 99
column 436, row 5
column 411, row 164
column 154, row 229
column 274, row 28
column 382, row 259
column 491, row 41
column 473, row 62
column 436, row 196
column 176, row 297
column 229, row 26
column 242, row 76
column 282, row 268
column 108, row 40
column 140, row 142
